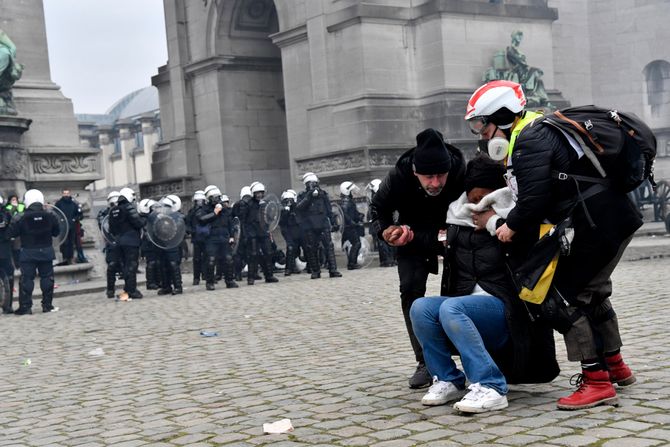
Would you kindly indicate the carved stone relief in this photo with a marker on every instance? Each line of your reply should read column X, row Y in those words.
column 13, row 164
column 331, row 163
column 64, row 164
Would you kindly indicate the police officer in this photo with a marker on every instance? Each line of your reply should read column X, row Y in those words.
column 111, row 249
column 387, row 253
column 73, row 213
column 148, row 250
column 239, row 209
column 353, row 229
column 290, row 230
column 199, row 233
column 315, row 216
column 257, row 236
column 6, row 266
column 125, row 224
column 219, row 242
column 36, row 227
column 171, row 256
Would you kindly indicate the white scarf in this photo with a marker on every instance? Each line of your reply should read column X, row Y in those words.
column 460, row 211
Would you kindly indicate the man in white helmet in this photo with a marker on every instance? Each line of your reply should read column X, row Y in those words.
column 125, row 224
column 316, row 218
column 111, row 249
column 257, row 236
column 36, row 227
column 549, row 174
column 171, row 256
column 153, row 258
column 240, row 209
column 408, row 212
column 353, row 229
column 219, row 239
column 387, row 253
column 198, row 234
column 73, row 213
column 6, row 265
column 290, row 230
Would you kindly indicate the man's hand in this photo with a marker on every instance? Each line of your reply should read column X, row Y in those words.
column 505, row 233
column 218, row 208
column 231, row 241
column 398, row 236
column 480, row 219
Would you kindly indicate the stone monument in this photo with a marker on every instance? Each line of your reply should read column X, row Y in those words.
column 39, row 138
column 510, row 64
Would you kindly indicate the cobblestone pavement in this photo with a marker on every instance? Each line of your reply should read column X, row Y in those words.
column 331, row 354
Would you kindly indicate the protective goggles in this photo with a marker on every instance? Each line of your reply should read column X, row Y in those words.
column 478, row 124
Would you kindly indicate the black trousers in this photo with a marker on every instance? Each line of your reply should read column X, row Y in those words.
column 413, row 273
column 29, row 270
column 6, row 282
column 130, row 256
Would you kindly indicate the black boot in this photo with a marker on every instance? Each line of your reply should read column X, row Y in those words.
column 290, row 261
column 332, row 264
column 175, row 272
column 152, row 275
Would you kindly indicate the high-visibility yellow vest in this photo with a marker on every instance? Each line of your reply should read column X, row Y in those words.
column 527, row 118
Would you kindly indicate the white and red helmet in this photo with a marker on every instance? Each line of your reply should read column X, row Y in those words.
column 494, row 96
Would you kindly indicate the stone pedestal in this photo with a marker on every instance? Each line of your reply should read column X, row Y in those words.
column 13, row 157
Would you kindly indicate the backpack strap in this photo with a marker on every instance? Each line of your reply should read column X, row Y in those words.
column 599, row 185
column 585, row 147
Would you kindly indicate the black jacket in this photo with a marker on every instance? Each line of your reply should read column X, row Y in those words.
column 5, row 239
column 220, row 225
column 541, row 149
column 36, row 227
column 314, row 212
column 401, row 191
column 288, row 223
column 126, row 224
column 70, row 208
column 353, row 219
column 476, row 257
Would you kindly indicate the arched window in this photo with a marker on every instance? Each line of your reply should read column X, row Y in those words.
column 657, row 77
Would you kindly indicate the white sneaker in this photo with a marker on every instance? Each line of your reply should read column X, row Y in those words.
column 481, row 399
column 440, row 393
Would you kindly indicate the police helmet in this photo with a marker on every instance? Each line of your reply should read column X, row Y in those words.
column 245, row 191
column 172, row 201
column 128, row 193
column 289, row 194
column 310, row 177
column 257, row 187
column 346, row 188
column 144, row 207
column 199, row 195
column 33, row 196
column 374, row 185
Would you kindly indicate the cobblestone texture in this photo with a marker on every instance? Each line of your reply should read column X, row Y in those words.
column 331, row 354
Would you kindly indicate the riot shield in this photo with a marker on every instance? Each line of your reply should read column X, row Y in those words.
column 270, row 209
column 63, row 225
column 106, row 233
column 236, row 235
column 337, row 223
column 166, row 228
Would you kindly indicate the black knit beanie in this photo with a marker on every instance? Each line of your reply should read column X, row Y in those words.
column 431, row 155
column 482, row 172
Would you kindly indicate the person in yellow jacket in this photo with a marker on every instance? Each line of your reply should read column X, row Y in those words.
column 603, row 218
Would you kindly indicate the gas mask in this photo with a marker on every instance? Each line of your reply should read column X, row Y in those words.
column 496, row 147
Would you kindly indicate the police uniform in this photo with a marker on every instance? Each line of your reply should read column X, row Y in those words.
column 258, row 242
column 217, row 243
column 6, row 266
column 315, row 216
column 112, row 254
column 126, row 225
column 292, row 233
column 36, row 227
column 353, row 230
column 199, row 233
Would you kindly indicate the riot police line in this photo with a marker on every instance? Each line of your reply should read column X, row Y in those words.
column 231, row 241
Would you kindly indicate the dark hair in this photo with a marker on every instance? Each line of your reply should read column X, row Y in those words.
column 482, row 172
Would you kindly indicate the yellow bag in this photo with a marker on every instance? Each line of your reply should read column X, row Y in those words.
column 537, row 294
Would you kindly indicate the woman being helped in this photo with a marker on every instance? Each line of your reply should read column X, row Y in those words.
column 483, row 318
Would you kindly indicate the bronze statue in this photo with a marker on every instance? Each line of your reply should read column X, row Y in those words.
column 10, row 72
column 511, row 65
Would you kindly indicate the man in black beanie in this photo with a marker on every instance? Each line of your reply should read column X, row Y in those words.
column 425, row 180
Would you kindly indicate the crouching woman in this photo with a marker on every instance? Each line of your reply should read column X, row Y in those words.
column 482, row 319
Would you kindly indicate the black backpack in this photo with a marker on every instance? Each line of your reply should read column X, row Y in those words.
column 620, row 146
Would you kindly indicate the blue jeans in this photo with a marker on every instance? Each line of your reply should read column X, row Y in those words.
column 475, row 325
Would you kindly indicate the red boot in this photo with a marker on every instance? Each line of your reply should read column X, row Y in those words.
column 620, row 373
column 594, row 389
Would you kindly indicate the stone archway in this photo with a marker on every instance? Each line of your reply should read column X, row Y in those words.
column 250, row 92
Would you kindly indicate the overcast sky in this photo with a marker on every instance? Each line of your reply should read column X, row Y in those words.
column 100, row 50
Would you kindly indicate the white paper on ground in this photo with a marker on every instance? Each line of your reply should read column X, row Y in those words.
column 278, row 427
